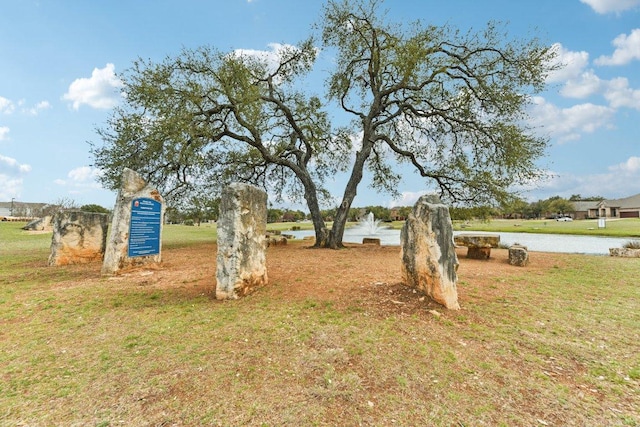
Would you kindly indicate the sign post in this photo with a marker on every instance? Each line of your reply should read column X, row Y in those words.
column 144, row 228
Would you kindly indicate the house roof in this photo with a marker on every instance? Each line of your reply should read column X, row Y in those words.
column 585, row 206
column 626, row 203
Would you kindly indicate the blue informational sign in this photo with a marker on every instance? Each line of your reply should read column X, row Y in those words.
column 144, row 229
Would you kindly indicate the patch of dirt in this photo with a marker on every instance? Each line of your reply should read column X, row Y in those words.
column 368, row 274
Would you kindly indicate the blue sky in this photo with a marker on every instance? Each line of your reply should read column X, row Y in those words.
column 59, row 62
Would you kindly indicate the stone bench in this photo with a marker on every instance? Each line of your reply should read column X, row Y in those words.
column 479, row 245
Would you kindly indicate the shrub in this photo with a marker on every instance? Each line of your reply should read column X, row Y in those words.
column 188, row 222
column 632, row 244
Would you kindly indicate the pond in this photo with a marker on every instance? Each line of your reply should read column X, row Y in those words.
column 560, row 243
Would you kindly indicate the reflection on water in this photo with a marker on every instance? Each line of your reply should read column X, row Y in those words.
column 591, row 245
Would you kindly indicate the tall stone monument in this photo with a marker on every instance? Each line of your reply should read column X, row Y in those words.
column 242, row 242
column 429, row 260
column 136, row 228
column 78, row 237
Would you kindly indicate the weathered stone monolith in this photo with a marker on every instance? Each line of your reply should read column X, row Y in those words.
column 429, row 260
column 242, row 228
column 40, row 224
column 78, row 237
column 136, row 227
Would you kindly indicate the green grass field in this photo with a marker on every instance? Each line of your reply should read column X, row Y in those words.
column 613, row 227
column 556, row 346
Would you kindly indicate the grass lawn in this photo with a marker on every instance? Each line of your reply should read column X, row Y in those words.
column 629, row 227
column 553, row 345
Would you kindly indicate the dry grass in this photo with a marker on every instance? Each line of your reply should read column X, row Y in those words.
column 334, row 339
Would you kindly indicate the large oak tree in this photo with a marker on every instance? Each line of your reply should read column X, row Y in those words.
column 447, row 104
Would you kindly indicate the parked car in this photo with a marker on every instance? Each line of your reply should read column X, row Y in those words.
column 564, row 218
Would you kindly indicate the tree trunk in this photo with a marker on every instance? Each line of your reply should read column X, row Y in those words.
column 351, row 189
column 319, row 227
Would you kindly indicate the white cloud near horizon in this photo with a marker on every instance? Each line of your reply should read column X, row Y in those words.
column 407, row 198
column 621, row 180
column 611, row 6
column 10, row 187
column 100, row 91
column 627, row 49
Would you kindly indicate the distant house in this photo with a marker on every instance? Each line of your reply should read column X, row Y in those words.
column 628, row 207
column 20, row 209
column 586, row 210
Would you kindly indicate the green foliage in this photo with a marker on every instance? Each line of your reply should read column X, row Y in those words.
column 448, row 104
column 94, row 208
column 516, row 207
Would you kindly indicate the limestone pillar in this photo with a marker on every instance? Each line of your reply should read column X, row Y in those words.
column 135, row 237
column 78, row 237
column 429, row 260
column 242, row 229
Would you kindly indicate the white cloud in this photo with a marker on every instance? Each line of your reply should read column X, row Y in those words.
column 608, row 6
column 572, row 64
column 630, row 167
column 627, row 49
column 569, row 123
column 4, row 131
column 584, row 86
column 83, row 174
column 9, row 186
column 620, row 181
column 6, row 106
column 619, row 94
column 81, row 178
column 42, row 105
column 99, row 91
column 270, row 57
column 12, row 166
column 407, row 198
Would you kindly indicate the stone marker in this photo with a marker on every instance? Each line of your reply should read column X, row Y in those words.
column 39, row 224
column 429, row 260
column 78, row 237
column 136, row 228
column 242, row 226
column 518, row 255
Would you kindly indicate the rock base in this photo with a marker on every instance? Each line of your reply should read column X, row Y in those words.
column 624, row 252
column 518, row 255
